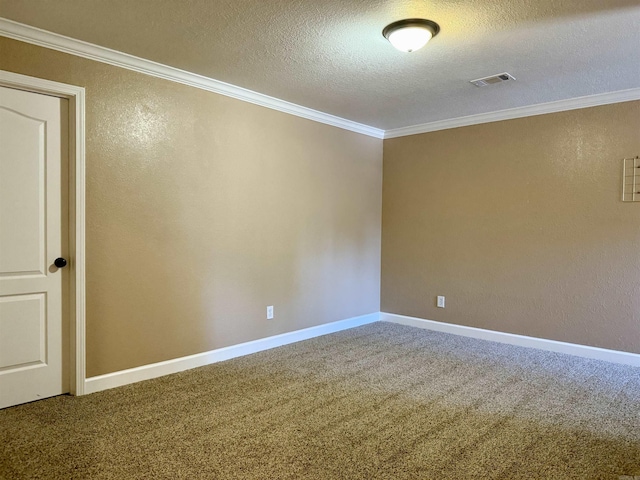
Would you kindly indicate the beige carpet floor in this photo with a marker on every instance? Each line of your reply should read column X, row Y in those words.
column 381, row 401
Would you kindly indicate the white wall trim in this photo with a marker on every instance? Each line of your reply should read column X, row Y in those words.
column 147, row 372
column 584, row 351
column 76, row 97
column 520, row 112
column 54, row 41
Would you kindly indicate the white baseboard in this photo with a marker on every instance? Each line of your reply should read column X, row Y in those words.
column 584, row 351
column 154, row 370
column 147, row 372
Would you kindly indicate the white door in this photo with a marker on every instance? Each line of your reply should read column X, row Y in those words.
column 34, row 338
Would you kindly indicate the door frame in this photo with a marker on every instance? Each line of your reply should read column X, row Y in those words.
column 77, row 291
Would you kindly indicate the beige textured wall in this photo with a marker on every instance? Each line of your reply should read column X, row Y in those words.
column 520, row 225
column 202, row 210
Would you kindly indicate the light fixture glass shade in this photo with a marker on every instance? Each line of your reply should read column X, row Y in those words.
column 410, row 35
column 410, row 39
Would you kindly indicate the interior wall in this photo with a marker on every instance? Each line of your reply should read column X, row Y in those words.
column 520, row 225
column 202, row 210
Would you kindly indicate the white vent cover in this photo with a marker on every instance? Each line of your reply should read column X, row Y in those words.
column 499, row 78
column 631, row 180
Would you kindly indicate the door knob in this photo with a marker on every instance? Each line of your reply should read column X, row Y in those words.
column 60, row 262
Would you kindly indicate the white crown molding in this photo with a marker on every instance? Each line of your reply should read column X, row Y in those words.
column 520, row 112
column 575, row 349
column 43, row 38
column 154, row 370
column 54, row 41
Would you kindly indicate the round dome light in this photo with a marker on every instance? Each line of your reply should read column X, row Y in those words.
column 411, row 34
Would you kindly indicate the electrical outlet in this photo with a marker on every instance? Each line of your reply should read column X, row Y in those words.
column 270, row 312
column 440, row 302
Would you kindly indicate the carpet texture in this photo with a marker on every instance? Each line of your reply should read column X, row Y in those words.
column 382, row 401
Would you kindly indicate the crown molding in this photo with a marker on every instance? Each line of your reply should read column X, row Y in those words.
column 520, row 112
column 54, row 41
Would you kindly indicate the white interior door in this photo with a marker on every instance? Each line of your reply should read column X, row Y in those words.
column 34, row 330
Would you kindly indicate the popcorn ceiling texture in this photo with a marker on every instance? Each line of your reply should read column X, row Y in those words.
column 382, row 401
column 330, row 55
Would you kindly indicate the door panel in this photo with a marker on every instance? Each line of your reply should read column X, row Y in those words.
column 33, row 233
column 22, row 176
column 23, row 325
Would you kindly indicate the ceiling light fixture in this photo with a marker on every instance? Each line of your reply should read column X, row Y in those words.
column 411, row 34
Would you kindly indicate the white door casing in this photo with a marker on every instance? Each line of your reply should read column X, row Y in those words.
column 34, row 294
column 72, row 277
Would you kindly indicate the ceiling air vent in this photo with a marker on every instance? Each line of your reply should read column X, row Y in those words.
column 499, row 78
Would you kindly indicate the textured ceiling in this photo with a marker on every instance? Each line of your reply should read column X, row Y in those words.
column 330, row 55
